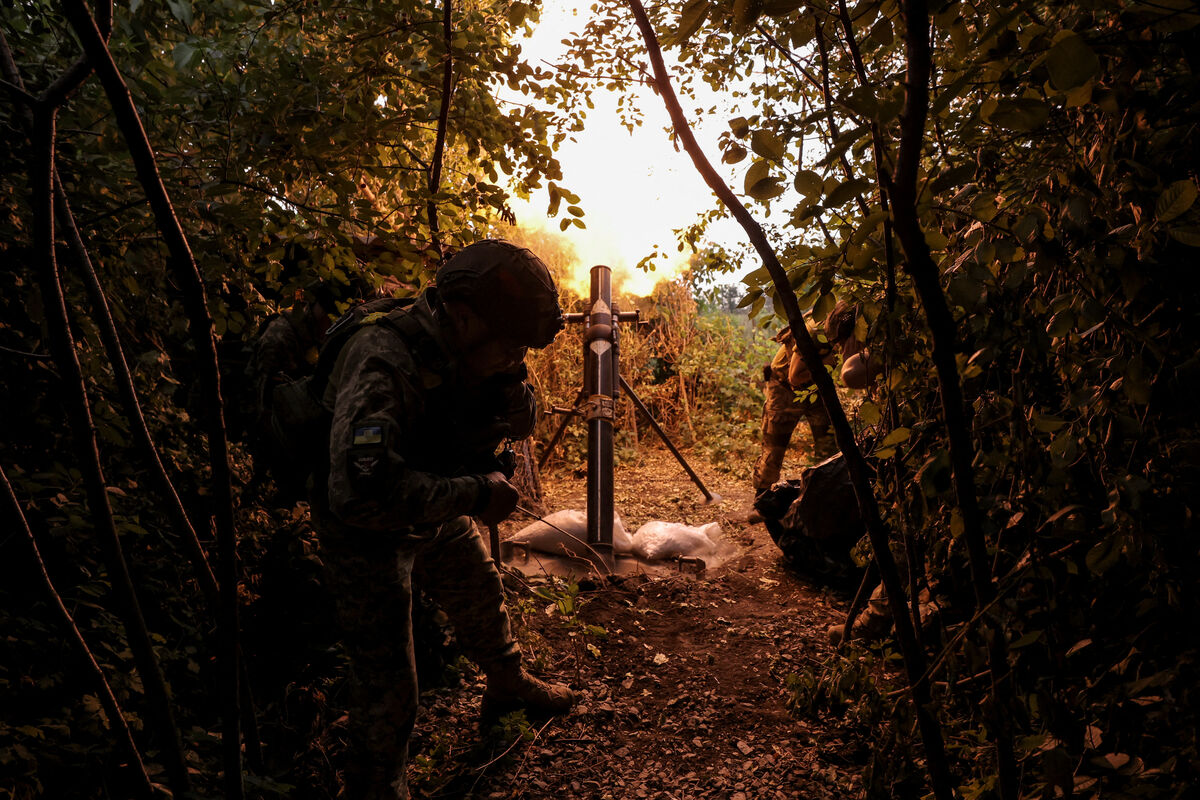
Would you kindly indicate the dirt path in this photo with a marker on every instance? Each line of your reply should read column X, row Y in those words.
column 683, row 678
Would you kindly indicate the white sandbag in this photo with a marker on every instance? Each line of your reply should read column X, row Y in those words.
column 656, row 540
column 565, row 532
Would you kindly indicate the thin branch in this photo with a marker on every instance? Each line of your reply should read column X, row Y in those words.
column 25, row 354
column 102, row 316
column 435, row 167
column 17, row 92
column 117, row 725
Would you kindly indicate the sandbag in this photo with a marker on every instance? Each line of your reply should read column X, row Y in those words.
column 565, row 533
column 657, row 540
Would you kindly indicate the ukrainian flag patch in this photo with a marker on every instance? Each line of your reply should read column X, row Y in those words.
column 368, row 434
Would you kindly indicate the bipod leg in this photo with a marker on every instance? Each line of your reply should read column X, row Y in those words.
column 562, row 428
column 709, row 497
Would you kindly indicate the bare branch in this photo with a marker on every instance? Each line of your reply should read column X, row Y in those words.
column 116, row 717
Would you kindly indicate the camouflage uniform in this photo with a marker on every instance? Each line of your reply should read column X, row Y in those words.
column 781, row 413
column 403, row 478
column 285, row 351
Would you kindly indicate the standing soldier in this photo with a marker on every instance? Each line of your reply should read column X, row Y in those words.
column 409, row 392
column 284, row 352
column 785, row 376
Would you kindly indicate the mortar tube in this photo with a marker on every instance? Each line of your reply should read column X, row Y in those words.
column 599, row 384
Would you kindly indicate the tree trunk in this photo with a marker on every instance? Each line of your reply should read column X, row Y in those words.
column 925, row 277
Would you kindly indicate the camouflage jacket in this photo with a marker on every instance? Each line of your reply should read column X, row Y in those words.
column 409, row 440
column 284, row 351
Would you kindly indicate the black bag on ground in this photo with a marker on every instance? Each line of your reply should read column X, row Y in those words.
column 815, row 520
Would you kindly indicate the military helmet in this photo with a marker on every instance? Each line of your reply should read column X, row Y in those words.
column 507, row 285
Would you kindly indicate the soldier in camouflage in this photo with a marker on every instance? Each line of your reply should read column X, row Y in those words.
column 785, row 376
column 419, row 396
column 287, row 347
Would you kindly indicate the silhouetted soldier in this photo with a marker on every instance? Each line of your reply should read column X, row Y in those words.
column 408, row 468
column 786, row 375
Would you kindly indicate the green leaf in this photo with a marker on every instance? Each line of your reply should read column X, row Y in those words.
column 1103, row 555
column 822, row 307
column 1047, row 423
column 183, row 54
column 862, row 101
column 750, row 297
column 181, row 10
column 808, row 183
column 740, row 126
column 952, row 178
column 781, row 8
column 1175, row 200
column 766, row 144
column 881, row 32
column 1020, row 114
column 759, row 171
column 690, row 20
column 1071, row 62
column 867, row 226
column 846, row 192
column 757, row 277
column 936, row 240
column 896, row 437
column 1189, row 236
column 734, row 153
column 746, row 13
column 947, row 95
column 869, row 413
column 983, row 207
column 760, row 184
column 842, row 143
column 1027, row 639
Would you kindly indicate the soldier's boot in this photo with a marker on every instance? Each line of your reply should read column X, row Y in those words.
column 872, row 624
column 512, row 690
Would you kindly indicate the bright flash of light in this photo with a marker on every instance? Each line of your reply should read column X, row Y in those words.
column 626, row 279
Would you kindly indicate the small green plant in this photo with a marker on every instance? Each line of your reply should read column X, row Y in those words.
column 565, row 602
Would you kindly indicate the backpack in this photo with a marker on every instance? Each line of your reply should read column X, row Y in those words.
column 296, row 420
column 815, row 521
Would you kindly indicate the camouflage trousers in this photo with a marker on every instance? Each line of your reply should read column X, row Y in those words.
column 781, row 414
column 371, row 577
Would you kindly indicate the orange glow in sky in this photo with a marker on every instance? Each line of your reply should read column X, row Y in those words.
column 635, row 188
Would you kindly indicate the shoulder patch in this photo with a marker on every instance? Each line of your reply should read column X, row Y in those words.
column 367, row 434
column 373, row 317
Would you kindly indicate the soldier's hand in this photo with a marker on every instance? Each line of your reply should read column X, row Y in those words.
column 502, row 499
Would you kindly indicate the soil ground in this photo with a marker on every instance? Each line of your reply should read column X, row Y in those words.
column 682, row 678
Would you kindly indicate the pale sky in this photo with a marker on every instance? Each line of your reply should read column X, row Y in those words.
column 634, row 187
